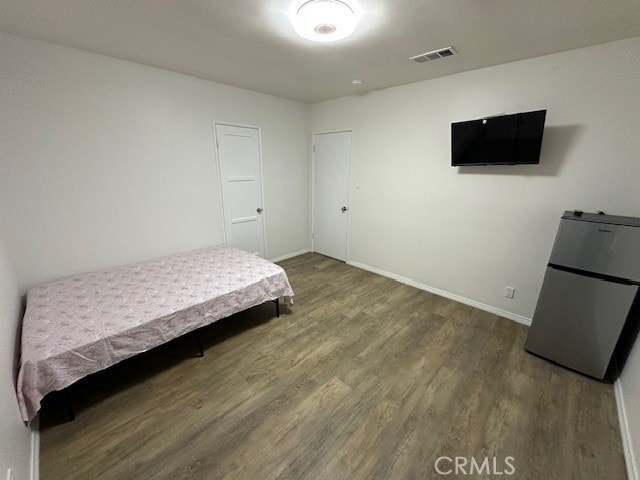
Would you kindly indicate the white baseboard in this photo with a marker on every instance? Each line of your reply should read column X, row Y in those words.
column 34, row 426
column 629, row 458
column 289, row 255
column 467, row 301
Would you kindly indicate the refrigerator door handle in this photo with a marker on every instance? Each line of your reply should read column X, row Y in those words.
column 599, row 276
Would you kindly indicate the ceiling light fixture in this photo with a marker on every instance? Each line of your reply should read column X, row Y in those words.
column 325, row 20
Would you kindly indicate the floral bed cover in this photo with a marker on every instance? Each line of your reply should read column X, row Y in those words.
column 83, row 324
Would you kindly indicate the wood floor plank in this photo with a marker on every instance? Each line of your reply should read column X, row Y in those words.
column 362, row 378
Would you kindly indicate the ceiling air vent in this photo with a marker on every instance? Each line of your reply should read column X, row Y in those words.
column 434, row 55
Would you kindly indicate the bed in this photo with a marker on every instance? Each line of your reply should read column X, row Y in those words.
column 83, row 324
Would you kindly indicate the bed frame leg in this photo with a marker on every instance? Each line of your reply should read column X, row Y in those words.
column 277, row 302
column 200, row 349
column 66, row 398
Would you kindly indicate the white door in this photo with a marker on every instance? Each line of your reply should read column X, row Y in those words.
column 241, row 186
column 332, row 165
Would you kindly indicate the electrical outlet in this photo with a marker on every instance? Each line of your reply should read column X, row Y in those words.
column 9, row 474
column 509, row 292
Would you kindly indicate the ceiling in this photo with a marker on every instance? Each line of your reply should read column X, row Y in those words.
column 251, row 44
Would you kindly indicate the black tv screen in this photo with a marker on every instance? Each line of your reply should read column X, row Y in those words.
column 504, row 140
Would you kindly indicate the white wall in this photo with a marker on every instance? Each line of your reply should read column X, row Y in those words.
column 106, row 162
column 472, row 231
column 15, row 446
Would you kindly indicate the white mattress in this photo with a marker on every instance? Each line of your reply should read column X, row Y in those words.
column 83, row 324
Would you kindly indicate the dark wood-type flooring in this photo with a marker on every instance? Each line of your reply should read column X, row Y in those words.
column 363, row 378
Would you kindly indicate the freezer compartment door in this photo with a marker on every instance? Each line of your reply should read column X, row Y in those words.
column 578, row 320
column 598, row 248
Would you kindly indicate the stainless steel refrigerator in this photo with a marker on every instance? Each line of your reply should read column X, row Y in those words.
column 589, row 294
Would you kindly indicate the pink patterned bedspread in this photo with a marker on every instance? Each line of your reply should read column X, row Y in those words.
column 83, row 324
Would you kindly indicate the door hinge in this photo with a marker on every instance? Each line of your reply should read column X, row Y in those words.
column 313, row 236
column 314, row 149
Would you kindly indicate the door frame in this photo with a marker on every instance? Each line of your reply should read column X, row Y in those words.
column 313, row 181
column 216, row 157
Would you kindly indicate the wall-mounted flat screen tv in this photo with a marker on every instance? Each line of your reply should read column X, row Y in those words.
column 501, row 140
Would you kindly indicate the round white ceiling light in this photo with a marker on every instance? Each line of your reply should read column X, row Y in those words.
column 325, row 20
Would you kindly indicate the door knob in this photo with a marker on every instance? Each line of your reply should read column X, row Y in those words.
column 344, row 209
column 259, row 209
